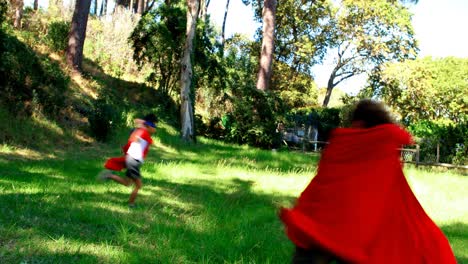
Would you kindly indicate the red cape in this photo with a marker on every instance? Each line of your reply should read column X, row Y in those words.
column 360, row 207
column 115, row 164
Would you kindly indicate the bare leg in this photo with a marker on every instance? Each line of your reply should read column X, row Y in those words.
column 134, row 193
column 123, row 181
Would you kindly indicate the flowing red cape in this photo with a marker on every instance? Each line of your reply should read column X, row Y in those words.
column 115, row 163
column 360, row 207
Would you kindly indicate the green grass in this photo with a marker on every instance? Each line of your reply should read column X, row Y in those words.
column 204, row 203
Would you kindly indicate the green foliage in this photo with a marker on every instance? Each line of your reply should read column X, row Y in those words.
column 234, row 110
column 57, row 35
column 157, row 40
column 451, row 138
column 107, row 45
column 237, row 71
column 102, row 119
column 254, row 118
column 433, row 89
column 3, row 11
column 302, row 34
column 28, row 82
column 295, row 89
column 367, row 34
column 337, row 98
column 378, row 30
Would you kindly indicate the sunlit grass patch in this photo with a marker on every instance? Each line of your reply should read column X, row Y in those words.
column 209, row 202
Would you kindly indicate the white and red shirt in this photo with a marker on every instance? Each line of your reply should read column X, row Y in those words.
column 138, row 144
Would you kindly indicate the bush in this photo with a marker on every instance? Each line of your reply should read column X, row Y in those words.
column 253, row 119
column 107, row 44
column 3, row 11
column 451, row 138
column 57, row 35
column 102, row 119
column 325, row 119
column 29, row 82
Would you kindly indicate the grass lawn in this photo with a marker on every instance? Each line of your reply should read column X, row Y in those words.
column 205, row 203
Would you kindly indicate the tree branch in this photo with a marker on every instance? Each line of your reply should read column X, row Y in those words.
column 345, row 77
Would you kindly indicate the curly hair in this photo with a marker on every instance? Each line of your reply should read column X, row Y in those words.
column 371, row 113
column 151, row 118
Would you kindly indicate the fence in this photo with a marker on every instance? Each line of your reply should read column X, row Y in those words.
column 300, row 138
column 410, row 154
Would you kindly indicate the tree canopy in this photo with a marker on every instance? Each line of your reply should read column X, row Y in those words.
column 366, row 34
column 427, row 88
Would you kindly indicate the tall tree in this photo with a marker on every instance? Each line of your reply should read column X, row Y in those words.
column 268, row 44
column 366, row 35
column 203, row 11
column 95, row 5
column 103, row 8
column 158, row 40
column 18, row 4
column 425, row 89
column 36, row 5
column 301, row 36
column 77, row 35
column 141, row 7
column 301, row 41
column 186, row 97
column 223, row 39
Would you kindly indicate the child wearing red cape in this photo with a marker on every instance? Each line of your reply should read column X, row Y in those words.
column 135, row 151
column 359, row 207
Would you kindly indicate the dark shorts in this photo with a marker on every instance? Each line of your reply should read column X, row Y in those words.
column 313, row 256
column 133, row 168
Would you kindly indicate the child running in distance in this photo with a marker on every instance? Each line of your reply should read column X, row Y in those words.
column 135, row 151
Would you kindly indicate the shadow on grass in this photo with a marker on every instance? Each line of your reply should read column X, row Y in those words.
column 53, row 211
column 457, row 233
column 74, row 220
column 218, row 153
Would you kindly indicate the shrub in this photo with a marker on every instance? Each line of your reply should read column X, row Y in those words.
column 57, row 35
column 29, row 81
column 451, row 138
column 326, row 119
column 107, row 44
column 253, row 119
column 102, row 119
column 3, row 11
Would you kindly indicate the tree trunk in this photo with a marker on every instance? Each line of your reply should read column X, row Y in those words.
column 186, row 106
column 330, row 87
column 141, row 6
column 77, row 34
column 150, row 5
column 18, row 13
column 103, row 8
column 268, row 45
column 95, row 11
column 203, row 9
column 36, row 5
column 223, row 39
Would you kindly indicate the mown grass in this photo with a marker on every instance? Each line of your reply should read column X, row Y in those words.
column 203, row 203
